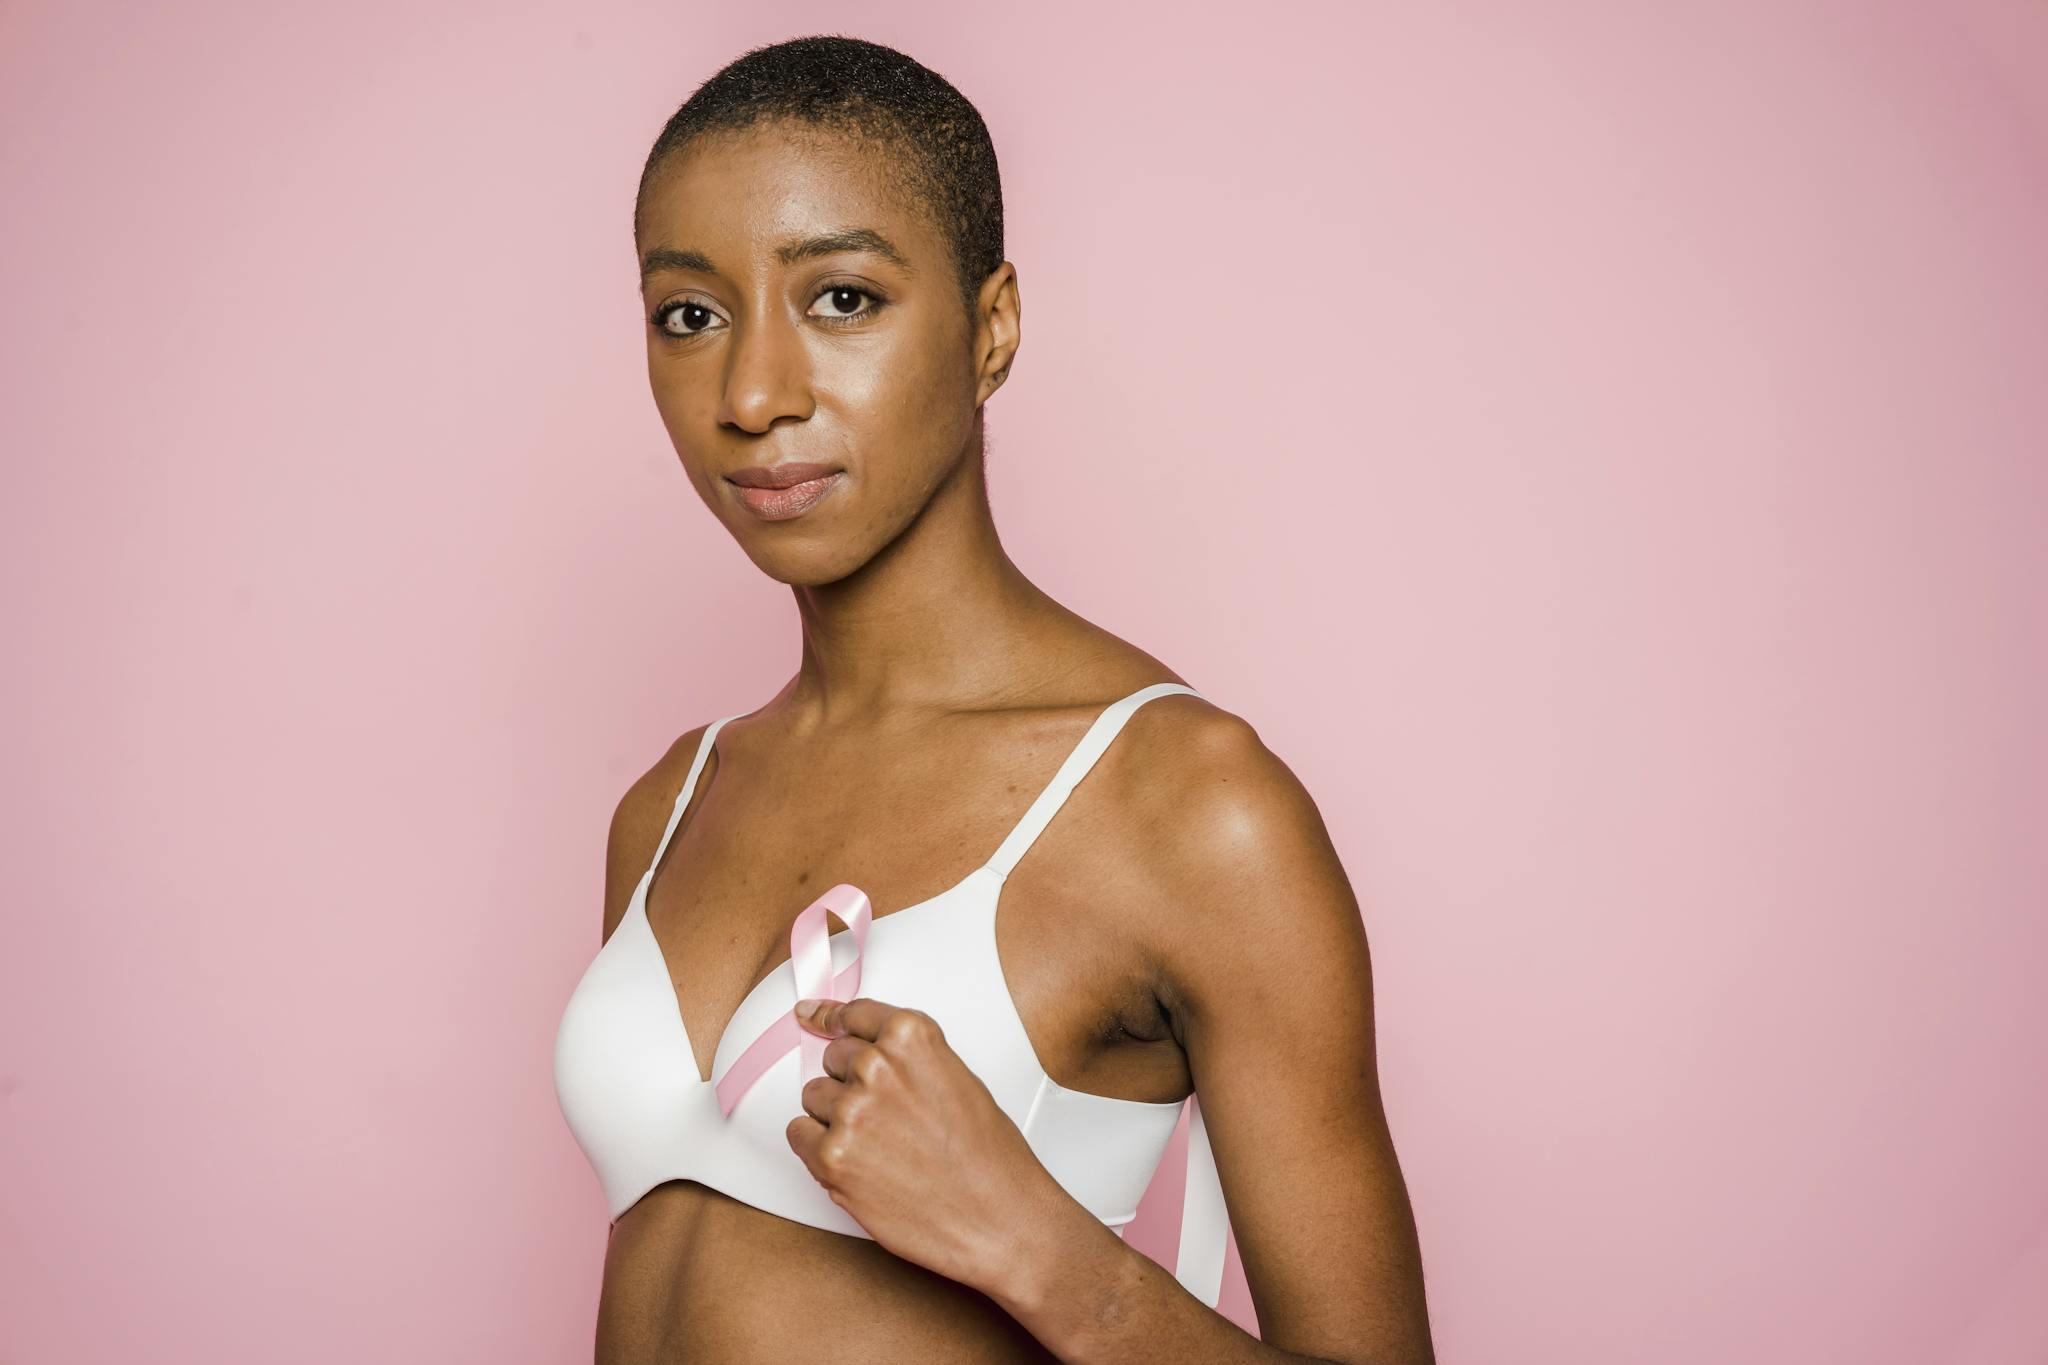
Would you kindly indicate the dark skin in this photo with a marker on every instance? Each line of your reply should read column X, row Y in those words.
column 1183, row 922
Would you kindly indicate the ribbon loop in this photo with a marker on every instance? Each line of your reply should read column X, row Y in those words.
column 810, row 961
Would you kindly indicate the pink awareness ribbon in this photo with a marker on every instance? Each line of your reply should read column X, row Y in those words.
column 810, row 960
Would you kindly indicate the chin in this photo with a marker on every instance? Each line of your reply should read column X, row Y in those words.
column 811, row 565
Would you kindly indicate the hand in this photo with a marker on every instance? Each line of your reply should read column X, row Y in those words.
column 910, row 1142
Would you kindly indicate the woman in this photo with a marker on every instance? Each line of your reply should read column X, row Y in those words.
column 937, row 1163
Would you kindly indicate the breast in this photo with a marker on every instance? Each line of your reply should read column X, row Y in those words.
column 627, row 1083
column 623, row 1073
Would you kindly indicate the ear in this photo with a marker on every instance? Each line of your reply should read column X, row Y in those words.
column 998, row 320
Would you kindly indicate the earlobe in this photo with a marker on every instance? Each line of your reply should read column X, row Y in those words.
column 999, row 323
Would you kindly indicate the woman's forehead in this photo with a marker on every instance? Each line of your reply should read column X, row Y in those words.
column 760, row 190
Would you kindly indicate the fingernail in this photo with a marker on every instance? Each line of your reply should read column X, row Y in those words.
column 806, row 1008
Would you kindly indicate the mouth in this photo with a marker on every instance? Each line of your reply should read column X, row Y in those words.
column 779, row 492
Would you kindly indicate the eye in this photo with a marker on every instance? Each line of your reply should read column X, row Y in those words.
column 692, row 317
column 841, row 300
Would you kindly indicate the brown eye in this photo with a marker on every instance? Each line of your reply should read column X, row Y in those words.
column 683, row 317
column 842, row 303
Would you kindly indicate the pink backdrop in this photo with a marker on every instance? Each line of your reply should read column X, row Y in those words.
column 1600, row 446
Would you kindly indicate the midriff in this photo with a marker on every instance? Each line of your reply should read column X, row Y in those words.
column 693, row 1275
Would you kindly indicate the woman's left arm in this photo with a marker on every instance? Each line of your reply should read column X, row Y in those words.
column 1268, row 982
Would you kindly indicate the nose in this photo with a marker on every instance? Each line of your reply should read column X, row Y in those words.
column 767, row 376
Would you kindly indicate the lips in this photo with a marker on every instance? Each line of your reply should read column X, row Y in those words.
column 785, row 475
column 779, row 492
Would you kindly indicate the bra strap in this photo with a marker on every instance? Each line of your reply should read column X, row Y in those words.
column 675, row 815
column 1076, row 767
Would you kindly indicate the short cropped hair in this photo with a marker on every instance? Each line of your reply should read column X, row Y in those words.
column 843, row 84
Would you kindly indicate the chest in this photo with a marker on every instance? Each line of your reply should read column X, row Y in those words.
column 1058, row 936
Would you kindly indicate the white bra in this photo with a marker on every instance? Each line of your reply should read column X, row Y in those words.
column 626, row 1075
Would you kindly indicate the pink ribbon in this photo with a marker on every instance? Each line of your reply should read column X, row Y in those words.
column 810, row 960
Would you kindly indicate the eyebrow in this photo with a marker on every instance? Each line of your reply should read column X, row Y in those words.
column 789, row 253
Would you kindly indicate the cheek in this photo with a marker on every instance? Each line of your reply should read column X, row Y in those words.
column 672, row 397
column 688, row 411
column 909, row 405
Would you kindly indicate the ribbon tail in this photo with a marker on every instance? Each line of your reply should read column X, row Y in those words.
column 778, row 1038
column 1204, row 1222
column 1181, row 1221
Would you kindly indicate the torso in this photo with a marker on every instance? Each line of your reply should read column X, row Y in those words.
column 774, row 819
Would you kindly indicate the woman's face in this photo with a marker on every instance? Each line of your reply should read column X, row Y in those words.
column 802, row 309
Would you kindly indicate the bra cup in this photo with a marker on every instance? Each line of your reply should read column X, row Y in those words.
column 944, row 965
column 616, row 1051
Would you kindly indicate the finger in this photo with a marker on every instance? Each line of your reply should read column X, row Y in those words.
column 805, row 1134
column 841, row 1054
column 861, row 1017
column 821, row 1095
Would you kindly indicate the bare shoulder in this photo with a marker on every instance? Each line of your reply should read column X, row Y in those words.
column 637, row 821
column 1236, row 859
column 1211, row 800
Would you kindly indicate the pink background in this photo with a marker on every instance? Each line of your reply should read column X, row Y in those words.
column 1600, row 446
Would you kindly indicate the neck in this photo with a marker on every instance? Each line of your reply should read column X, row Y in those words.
column 939, row 619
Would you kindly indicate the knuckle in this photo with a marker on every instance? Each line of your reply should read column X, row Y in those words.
column 910, row 1028
column 871, row 1066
